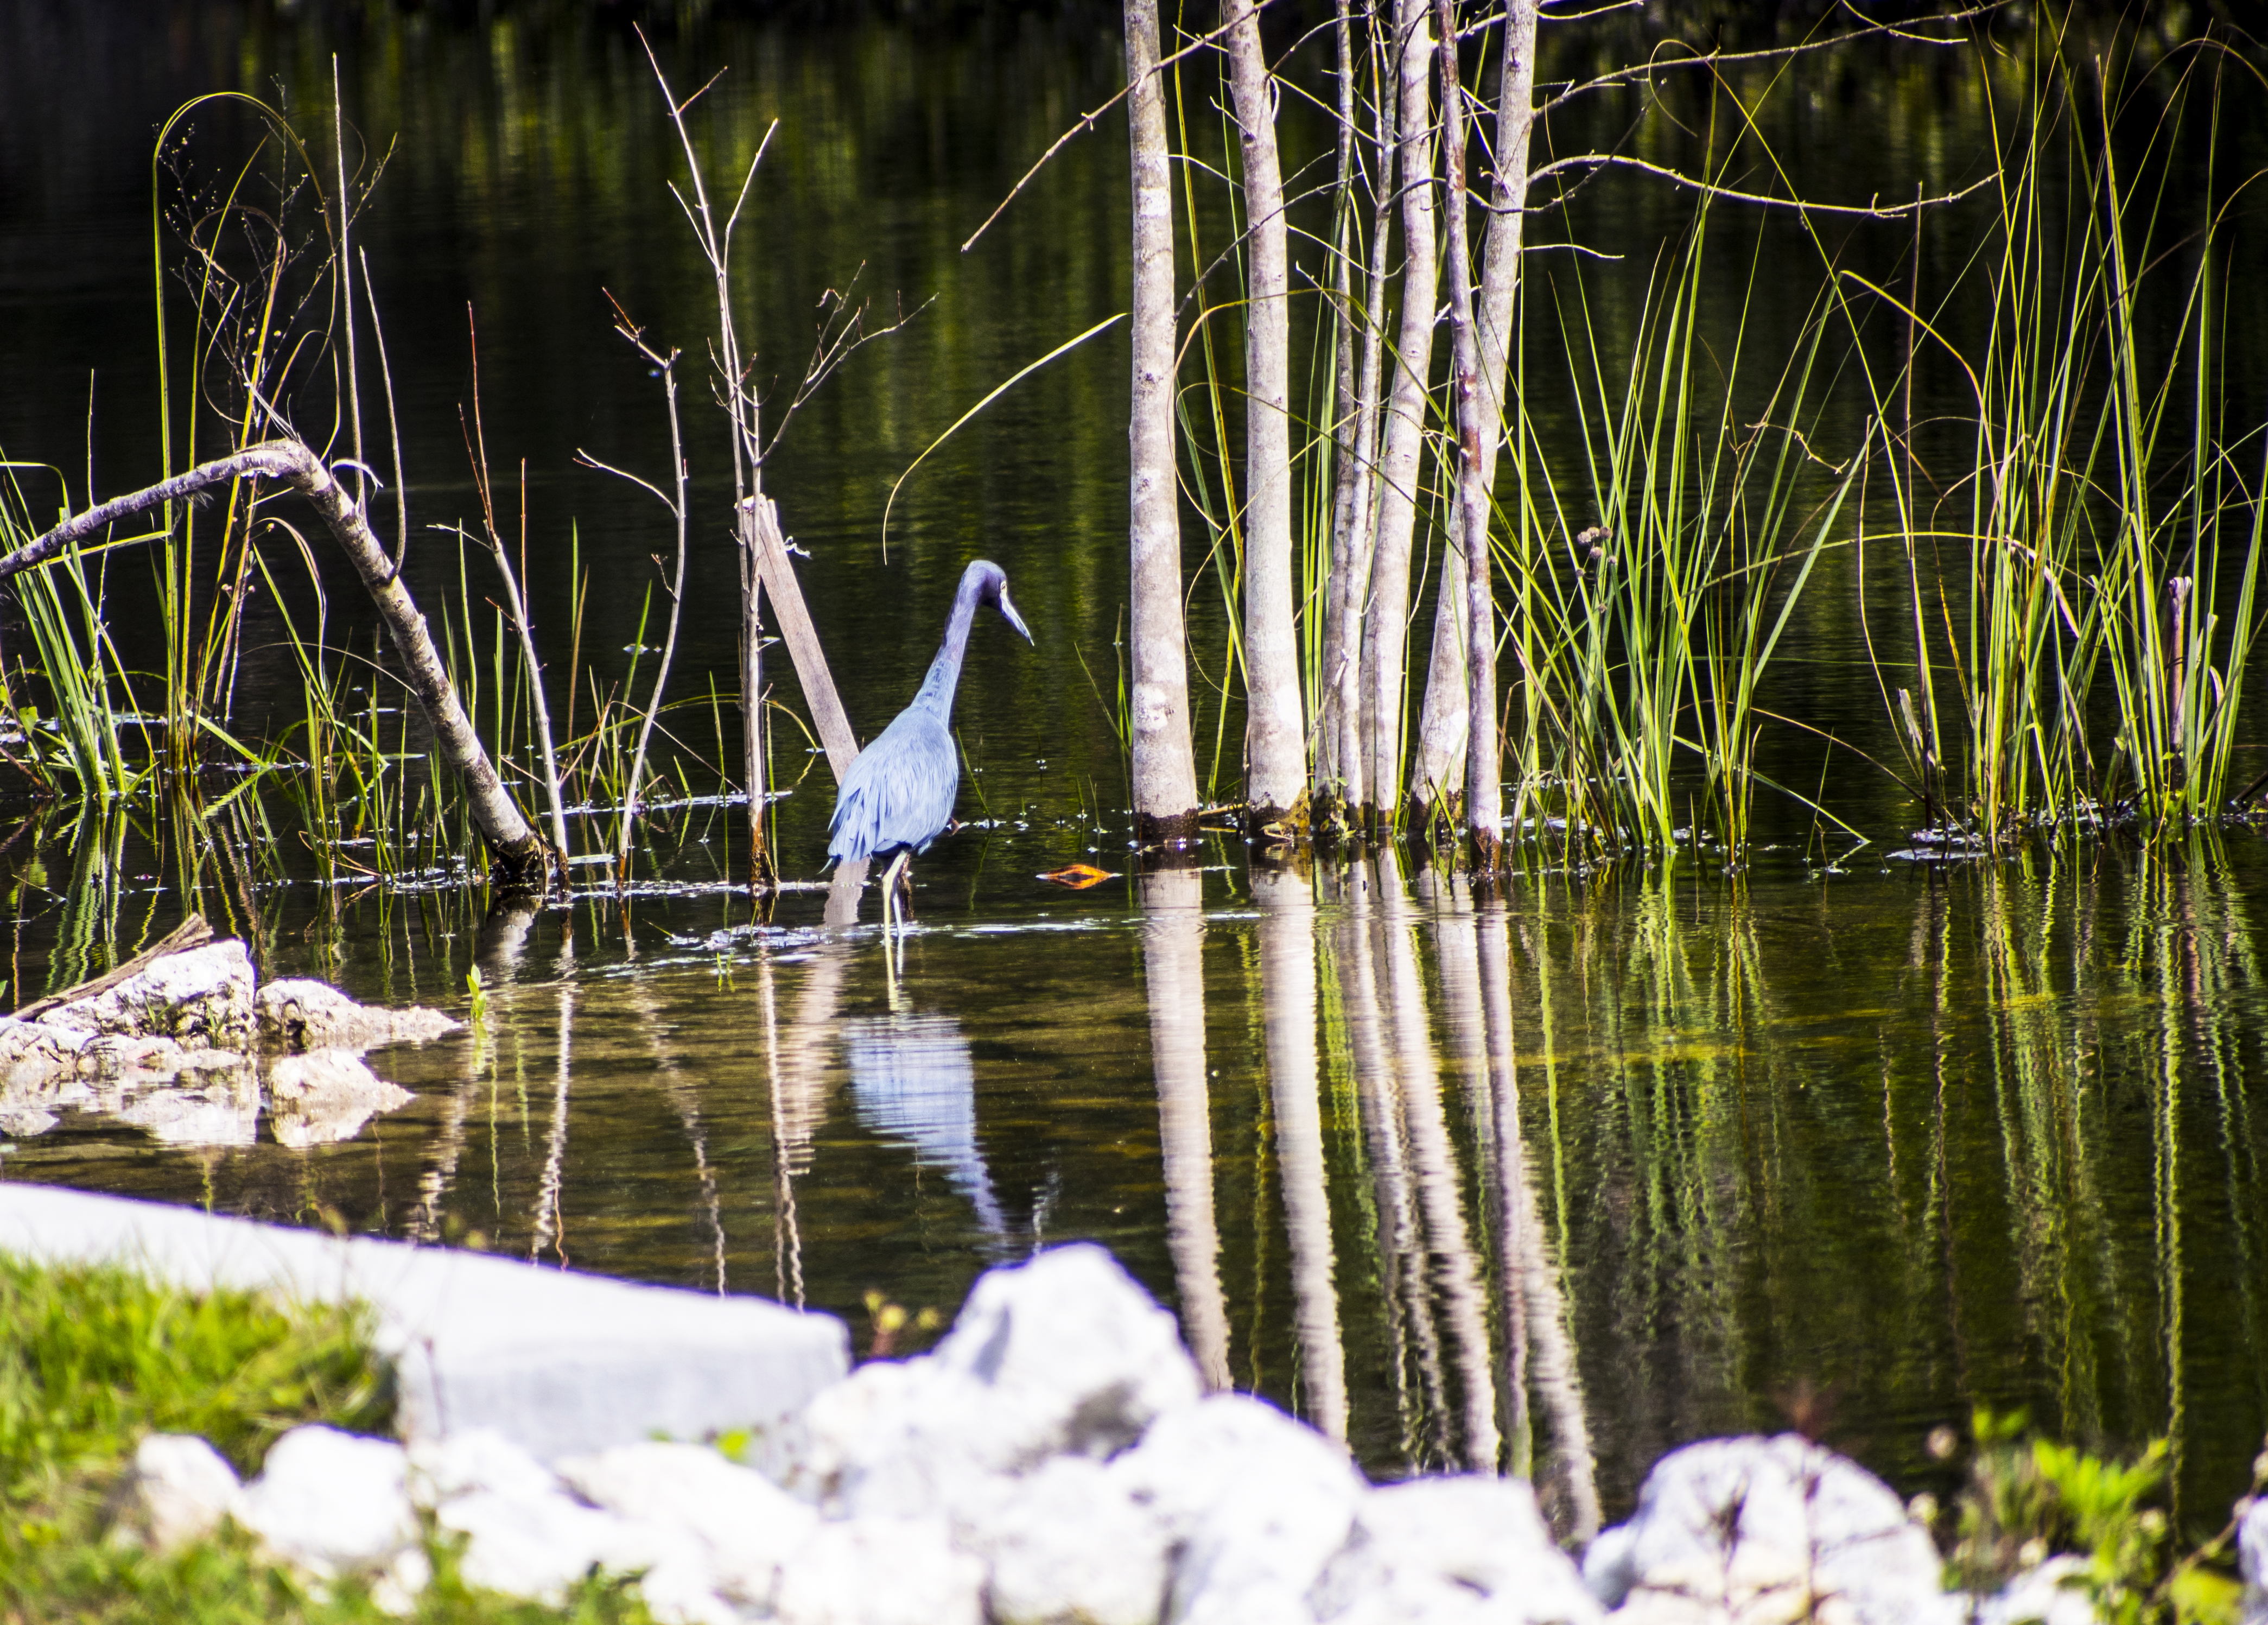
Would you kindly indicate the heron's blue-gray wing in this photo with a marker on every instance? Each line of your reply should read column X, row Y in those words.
column 900, row 793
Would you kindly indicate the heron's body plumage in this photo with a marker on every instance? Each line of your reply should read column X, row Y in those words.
column 899, row 795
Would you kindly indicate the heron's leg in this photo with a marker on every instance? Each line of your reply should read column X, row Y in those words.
column 890, row 889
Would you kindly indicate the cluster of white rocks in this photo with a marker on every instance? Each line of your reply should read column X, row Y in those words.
column 192, row 1048
column 1055, row 1462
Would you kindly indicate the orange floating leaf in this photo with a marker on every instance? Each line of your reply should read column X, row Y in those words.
column 1079, row 877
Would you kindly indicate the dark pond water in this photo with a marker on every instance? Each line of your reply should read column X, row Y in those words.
column 1554, row 1183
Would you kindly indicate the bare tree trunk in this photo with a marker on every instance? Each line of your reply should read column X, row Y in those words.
column 762, row 875
column 1165, row 766
column 1478, row 423
column 1338, row 773
column 1275, row 730
column 519, row 852
column 1385, row 630
column 1438, row 768
column 1323, row 787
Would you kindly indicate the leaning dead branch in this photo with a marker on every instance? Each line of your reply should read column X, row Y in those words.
column 519, row 854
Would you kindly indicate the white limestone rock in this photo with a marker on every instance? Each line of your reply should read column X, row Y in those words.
column 1444, row 1550
column 223, row 1111
column 748, row 1527
column 538, row 1544
column 330, row 1502
column 475, row 1460
column 301, row 1015
column 202, row 998
column 179, row 1489
column 1063, row 1355
column 2252, row 1560
column 2052, row 1594
column 1066, row 1545
column 32, row 1051
column 325, row 1096
column 1256, row 1504
column 1090, row 1357
column 1750, row 1527
column 881, row 1571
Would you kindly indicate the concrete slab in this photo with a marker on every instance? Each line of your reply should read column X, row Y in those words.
column 560, row 1362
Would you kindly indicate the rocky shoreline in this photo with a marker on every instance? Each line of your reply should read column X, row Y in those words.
column 1055, row 1462
column 184, row 1045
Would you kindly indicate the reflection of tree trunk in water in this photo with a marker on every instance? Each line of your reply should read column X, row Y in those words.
column 1409, row 1309
column 1287, row 992
column 548, row 1225
column 1172, row 939
column 503, row 944
column 683, row 1099
column 441, row 1161
column 799, row 1061
column 1531, row 1281
column 842, row 889
column 795, row 1066
column 1432, row 1158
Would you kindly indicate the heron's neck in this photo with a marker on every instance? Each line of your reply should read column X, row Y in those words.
column 937, row 690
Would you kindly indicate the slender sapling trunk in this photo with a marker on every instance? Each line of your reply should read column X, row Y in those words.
column 1385, row 629
column 1275, row 734
column 1164, row 763
column 1438, row 769
column 1476, row 422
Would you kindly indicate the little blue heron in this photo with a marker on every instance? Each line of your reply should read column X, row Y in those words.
column 898, row 796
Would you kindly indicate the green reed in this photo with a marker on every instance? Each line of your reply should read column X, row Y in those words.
column 1652, row 592
column 2083, row 597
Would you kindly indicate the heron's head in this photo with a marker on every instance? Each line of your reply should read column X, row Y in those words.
column 992, row 588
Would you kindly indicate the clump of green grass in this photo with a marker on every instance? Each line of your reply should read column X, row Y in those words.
column 93, row 1359
column 2029, row 1496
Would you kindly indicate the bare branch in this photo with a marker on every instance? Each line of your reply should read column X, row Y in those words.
column 1087, row 122
column 1591, row 162
column 589, row 462
column 1646, row 70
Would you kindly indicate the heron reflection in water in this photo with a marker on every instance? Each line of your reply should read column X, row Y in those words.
column 898, row 796
column 913, row 1082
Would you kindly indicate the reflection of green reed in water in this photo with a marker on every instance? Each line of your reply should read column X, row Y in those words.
column 2057, row 1169
column 2091, row 1024
column 135, row 867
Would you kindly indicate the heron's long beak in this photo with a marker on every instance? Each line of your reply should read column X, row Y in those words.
column 1014, row 620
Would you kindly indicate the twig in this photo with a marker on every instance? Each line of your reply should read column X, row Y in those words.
column 678, row 508
column 476, row 445
column 393, row 421
column 1872, row 212
column 1770, row 53
column 1087, row 122
column 193, row 932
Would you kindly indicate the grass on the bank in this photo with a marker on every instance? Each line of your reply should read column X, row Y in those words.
column 2028, row 1496
column 93, row 1359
